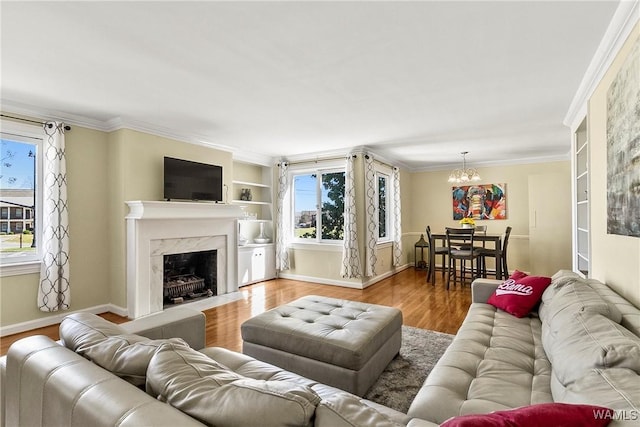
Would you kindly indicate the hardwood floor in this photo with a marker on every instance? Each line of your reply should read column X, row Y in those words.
column 423, row 305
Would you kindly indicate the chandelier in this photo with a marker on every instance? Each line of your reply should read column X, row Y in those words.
column 465, row 174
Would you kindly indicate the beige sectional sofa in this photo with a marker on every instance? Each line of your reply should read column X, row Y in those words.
column 581, row 347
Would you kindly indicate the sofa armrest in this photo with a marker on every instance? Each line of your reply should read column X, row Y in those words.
column 48, row 384
column 177, row 322
column 481, row 289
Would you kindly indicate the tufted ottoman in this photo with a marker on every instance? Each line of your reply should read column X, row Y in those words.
column 346, row 344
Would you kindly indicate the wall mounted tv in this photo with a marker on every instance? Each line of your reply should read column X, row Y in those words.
column 187, row 180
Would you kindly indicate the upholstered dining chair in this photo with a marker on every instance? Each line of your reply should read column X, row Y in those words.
column 437, row 250
column 501, row 261
column 460, row 247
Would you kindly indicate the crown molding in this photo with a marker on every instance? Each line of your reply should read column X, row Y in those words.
column 624, row 19
column 509, row 162
column 51, row 115
column 118, row 123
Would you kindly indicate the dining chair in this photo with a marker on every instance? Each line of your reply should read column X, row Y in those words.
column 478, row 229
column 501, row 261
column 460, row 247
column 437, row 250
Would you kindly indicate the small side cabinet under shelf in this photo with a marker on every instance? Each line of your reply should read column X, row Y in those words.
column 256, row 263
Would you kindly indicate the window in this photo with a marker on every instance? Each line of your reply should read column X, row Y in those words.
column 20, row 194
column 382, row 188
column 318, row 202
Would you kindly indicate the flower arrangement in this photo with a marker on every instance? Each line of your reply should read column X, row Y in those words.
column 468, row 221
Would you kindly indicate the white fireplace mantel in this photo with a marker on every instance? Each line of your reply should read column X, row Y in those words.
column 155, row 229
column 181, row 210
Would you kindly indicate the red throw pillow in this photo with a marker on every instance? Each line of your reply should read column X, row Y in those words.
column 519, row 293
column 544, row 414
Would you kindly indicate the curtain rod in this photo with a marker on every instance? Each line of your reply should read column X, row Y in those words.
column 47, row 124
column 334, row 158
column 326, row 159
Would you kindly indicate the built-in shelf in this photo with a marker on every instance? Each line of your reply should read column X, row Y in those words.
column 581, row 223
column 249, row 202
column 251, row 184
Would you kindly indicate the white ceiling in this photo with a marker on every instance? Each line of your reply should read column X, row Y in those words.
column 416, row 82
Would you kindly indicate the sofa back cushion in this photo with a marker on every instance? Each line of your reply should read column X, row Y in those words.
column 591, row 341
column 109, row 346
column 567, row 296
column 212, row 393
column 615, row 388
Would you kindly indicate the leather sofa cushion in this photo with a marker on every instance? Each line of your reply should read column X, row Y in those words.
column 344, row 409
column 109, row 346
column 615, row 388
column 210, row 392
column 495, row 362
column 249, row 367
column 592, row 341
column 568, row 295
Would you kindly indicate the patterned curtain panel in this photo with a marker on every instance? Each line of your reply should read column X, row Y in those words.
column 350, row 254
column 371, row 216
column 397, row 219
column 54, row 292
column 283, row 219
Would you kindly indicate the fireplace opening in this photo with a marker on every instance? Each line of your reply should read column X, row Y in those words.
column 189, row 276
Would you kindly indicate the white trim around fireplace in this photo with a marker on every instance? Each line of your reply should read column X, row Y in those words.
column 158, row 228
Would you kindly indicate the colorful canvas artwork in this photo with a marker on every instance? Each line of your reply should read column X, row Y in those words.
column 480, row 201
column 623, row 149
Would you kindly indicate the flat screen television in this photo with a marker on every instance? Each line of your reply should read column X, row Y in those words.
column 187, row 180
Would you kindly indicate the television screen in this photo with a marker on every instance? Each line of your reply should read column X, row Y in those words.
column 186, row 180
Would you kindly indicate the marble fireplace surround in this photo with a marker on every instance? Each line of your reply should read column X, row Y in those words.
column 155, row 229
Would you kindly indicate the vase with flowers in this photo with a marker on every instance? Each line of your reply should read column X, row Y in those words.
column 467, row 222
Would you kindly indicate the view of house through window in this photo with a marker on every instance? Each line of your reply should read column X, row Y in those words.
column 383, row 206
column 319, row 195
column 17, row 198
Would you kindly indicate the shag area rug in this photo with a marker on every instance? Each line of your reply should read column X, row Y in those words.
column 401, row 380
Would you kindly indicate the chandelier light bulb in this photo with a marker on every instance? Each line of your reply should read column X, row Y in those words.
column 464, row 174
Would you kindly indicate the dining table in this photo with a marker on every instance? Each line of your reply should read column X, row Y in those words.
column 496, row 239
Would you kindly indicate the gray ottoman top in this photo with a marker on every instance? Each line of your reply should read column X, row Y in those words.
column 340, row 332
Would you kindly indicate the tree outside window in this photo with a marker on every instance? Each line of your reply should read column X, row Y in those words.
column 319, row 198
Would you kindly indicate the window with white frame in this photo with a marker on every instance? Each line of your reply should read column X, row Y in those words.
column 318, row 205
column 383, row 190
column 20, row 193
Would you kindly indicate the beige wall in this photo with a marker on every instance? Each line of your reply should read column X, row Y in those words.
column 89, row 245
column 431, row 205
column 137, row 162
column 323, row 264
column 615, row 259
column 104, row 170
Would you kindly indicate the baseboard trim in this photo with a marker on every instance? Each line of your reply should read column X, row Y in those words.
column 320, row 280
column 380, row 277
column 16, row 328
column 352, row 285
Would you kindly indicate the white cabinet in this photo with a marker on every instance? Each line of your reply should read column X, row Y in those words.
column 256, row 263
column 581, row 224
column 252, row 190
